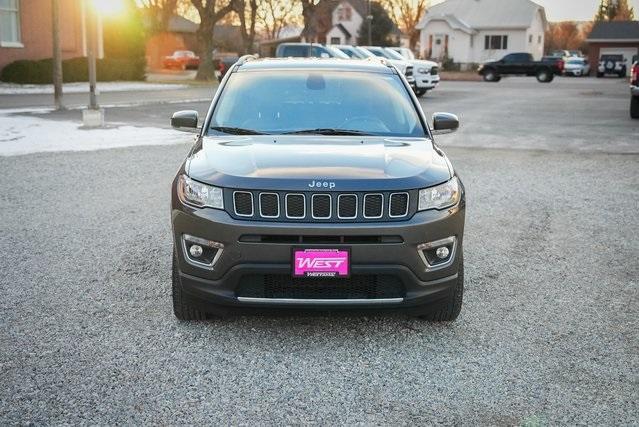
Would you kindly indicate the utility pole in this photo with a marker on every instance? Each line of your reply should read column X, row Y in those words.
column 92, row 29
column 93, row 116
column 369, row 18
column 57, row 56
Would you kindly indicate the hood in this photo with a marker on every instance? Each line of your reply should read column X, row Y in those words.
column 400, row 64
column 424, row 63
column 292, row 162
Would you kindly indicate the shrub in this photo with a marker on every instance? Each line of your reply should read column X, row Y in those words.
column 73, row 70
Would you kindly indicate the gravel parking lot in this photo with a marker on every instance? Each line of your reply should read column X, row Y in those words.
column 547, row 335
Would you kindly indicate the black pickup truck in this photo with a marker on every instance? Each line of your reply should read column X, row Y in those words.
column 522, row 64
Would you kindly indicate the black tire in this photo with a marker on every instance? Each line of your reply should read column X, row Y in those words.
column 420, row 92
column 490, row 75
column 545, row 75
column 622, row 74
column 634, row 107
column 181, row 310
column 599, row 75
column 454, row 303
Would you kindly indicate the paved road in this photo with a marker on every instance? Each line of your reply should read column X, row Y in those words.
column 548, row 333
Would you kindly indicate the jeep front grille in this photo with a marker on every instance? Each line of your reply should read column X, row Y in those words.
column 320, row 207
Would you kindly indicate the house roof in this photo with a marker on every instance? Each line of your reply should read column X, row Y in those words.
column 615, row 31
column 484, row 14
column 343, row 30
column 179, row 24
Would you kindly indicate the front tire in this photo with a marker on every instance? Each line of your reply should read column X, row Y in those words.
column 545, row 76
column 634, row 107
column 491, row 76
column 453, row 305
column 182, row 310
column 420, row 92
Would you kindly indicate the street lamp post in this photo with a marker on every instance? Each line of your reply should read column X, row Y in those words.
column 57, row 55
column 93, row 116
column 369, row 18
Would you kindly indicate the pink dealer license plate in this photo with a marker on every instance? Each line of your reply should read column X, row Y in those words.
column 321, row 263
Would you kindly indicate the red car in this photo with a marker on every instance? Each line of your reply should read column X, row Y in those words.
column 182, row 60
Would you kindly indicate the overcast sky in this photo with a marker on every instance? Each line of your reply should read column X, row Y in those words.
column 573, row 10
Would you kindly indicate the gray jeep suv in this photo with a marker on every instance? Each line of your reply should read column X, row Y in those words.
column 316, row 184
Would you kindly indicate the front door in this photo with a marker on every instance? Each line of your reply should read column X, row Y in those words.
column 438, row 46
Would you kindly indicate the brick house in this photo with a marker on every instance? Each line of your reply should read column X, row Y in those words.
column 26, row 27
column 610, row 38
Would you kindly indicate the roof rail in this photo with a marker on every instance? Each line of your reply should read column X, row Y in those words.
column 246, row 58
column 382, row 61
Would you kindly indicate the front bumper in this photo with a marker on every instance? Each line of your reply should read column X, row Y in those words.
column 426, row 81
column 217, row 288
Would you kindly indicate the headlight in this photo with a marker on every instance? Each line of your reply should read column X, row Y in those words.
column 441, row 196
column 198, row 194
column 423, row 70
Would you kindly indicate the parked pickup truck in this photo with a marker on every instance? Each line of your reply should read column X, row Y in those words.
column 634, row 91
column 521, row 64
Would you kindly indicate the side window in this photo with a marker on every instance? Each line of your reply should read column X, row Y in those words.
column 509, row 59
column 295, row 51
column 320, row 52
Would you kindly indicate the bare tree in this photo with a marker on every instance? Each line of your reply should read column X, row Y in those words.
column 159, row 12
column 273, row 15
column 308, row 11
column 406, row 14
column 210, row 11
column 247, row 13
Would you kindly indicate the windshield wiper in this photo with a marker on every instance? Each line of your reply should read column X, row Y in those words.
column 326, row 131
column 236, row 131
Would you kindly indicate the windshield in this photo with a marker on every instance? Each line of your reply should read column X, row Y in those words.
column 378, row 51
column 363, row 52
column 315, row 101
column 393, row 54
column 336, row 52
column 352, row 52
column 576, row 62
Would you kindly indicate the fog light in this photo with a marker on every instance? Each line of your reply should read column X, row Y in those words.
column 441, row 253
column 201, row 252
column 438, row 254
column 196, row 251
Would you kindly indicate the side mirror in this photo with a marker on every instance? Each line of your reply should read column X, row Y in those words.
column 444, row 123
column 184, row 119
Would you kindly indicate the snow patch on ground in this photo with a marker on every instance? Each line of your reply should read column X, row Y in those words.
column 27, row 135
column 83, row 87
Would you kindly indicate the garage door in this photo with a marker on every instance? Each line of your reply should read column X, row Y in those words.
column 627, row 52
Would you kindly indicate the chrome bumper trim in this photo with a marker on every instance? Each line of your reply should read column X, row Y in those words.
column 300, row 301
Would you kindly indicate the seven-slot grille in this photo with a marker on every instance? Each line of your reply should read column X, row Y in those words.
column 320, row 207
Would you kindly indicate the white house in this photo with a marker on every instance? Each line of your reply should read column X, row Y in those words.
column 473, row 31
column 347, row 17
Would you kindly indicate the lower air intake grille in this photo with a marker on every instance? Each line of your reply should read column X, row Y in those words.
column 365, row 286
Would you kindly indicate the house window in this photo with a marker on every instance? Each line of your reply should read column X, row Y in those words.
column 9, row 23
column 539, row 39
column 530, row 38
column 336, row 40
column 496, row 43
column 344, row 13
